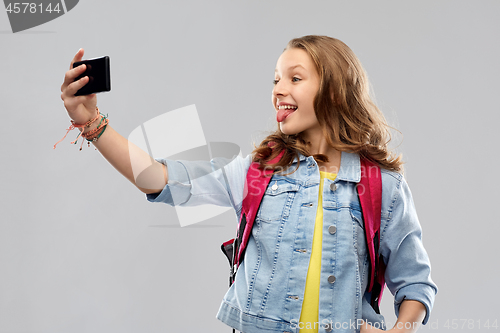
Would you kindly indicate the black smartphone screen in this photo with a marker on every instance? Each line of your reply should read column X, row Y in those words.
column 98, row 73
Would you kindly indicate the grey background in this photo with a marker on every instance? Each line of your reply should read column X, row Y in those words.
column 81, row 250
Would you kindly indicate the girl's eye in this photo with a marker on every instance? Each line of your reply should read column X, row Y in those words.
column 294, row 79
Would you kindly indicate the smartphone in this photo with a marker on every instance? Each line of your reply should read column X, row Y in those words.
column 98, row 72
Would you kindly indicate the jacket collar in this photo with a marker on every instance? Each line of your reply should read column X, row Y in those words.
column 350, row 166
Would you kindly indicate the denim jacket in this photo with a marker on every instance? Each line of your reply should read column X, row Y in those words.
column 269, row 287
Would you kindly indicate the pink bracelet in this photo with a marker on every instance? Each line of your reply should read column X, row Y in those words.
column 73, row 126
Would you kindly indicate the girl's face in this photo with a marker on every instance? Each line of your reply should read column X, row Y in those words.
column 296, row 83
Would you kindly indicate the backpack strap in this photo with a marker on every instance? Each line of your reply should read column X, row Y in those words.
column 255, row 187
column 370, row 198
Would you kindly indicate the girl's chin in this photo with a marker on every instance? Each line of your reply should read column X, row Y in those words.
column 288, row 130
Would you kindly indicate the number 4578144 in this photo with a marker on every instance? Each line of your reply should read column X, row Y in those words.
column 470, row 324
column 31, row 8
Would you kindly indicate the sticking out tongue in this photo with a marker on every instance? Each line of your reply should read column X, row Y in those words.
column 282, row 114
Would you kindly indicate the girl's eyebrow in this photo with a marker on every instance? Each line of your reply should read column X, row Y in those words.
column 292, row 68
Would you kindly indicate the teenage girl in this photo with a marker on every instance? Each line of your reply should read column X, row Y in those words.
column 306, row 266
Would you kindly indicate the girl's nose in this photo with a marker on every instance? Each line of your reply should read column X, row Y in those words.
column 279, row 89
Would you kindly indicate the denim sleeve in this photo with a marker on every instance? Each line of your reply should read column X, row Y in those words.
column 219, row 181
column 408, row 271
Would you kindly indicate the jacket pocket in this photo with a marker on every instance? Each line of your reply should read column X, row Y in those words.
column 277, row 200
column 359, row 237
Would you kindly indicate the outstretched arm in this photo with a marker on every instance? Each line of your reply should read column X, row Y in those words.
column 137, row 166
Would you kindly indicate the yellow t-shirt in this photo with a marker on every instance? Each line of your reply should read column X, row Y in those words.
column 309, row 322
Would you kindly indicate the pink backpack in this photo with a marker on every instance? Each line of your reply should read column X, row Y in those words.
column 370, row 196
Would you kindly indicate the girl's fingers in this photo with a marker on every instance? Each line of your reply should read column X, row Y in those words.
column 69, row 87
column 72, row 74
column 78, row 57
column 73, row 87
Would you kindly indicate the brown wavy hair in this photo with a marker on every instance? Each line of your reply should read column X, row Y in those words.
column 350, row 120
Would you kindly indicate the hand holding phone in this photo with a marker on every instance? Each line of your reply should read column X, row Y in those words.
column 97, row 69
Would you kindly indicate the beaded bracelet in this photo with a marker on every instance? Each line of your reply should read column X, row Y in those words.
column 102, row 126
column 95, row 134
column 96, row 138
column 89, row 134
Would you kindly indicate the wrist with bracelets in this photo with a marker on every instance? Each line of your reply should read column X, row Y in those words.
column 92, row 135
column 96, row 133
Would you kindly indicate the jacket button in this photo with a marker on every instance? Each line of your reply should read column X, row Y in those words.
column 332, row 229
column 331, row 278
column 328, row 327
column 333, row 186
